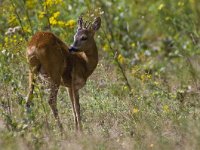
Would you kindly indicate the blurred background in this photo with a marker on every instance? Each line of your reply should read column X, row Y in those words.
column 144, row 93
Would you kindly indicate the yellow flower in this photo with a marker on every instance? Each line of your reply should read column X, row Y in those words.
column 161, row 6
column 145, row 77
column 156, row 83
column 106, row 48
column 121, row 59
column 49, row 2
column 30, row 4
column 27, row 29
column 125, row 88
column 109, row 36
column 56, row 14
column 71, row 23
column 21, row 39
column 61, row 23
column 166, row 108
column 135, row 110
column 52, row 2
column 148, row 76
column 12, row 19
column 192, row 1
column 41, row 15
column 58, row 1
column 180, row 4
column 135, row 70
column 167, row 18
column 53, row 21
column 6, row 39
column 133, row 45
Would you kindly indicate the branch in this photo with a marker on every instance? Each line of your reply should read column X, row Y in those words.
column 19, row 19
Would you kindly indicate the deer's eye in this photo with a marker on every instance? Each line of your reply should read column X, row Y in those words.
column 83, row 38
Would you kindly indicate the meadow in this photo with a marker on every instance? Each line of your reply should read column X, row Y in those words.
column 144, row 93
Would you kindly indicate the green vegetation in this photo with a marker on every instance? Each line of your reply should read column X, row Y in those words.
column 144, row 93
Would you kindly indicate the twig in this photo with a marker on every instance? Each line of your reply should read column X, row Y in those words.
column 116, row 53
column 47, row 16
column 19, row 19
column 27, row 15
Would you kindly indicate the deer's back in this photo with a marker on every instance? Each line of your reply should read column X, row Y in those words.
column 49, row 52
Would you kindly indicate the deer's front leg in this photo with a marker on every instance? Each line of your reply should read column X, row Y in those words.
column 77, row 109
column 73, row 107
column 74, row 96
column 53, row 103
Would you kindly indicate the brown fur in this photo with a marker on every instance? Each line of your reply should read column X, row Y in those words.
column 49, row 56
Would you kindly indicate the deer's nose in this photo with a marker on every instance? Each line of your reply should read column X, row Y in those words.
column 73, row 49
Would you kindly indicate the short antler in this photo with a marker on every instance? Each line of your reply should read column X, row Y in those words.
column 88, row 24
column 85, row 24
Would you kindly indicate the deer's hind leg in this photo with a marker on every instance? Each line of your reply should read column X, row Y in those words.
column 55, row 79
column 53, row 64
column 53, row 103
column 33, row 71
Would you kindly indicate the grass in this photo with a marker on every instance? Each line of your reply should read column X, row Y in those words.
column 153, row 117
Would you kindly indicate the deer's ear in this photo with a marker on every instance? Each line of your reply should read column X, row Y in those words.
column 80, row 22
column 96, row 24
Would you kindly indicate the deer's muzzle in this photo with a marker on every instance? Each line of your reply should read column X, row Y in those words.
column 73, row 49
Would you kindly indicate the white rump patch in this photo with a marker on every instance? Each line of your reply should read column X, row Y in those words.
column 31, row 50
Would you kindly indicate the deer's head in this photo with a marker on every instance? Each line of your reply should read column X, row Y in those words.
column 84, row 37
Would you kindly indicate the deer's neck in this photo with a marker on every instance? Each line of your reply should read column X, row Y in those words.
column 91, row 58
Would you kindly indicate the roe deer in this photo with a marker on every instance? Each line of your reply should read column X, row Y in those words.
column 62, row 65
